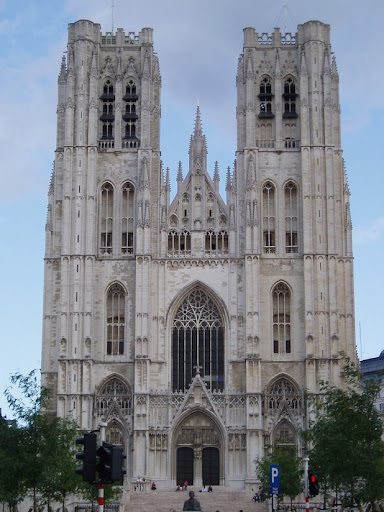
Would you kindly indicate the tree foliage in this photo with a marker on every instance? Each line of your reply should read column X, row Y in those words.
column 291, row 472
column 347, row 451
column 12, row 488
column 39, row 449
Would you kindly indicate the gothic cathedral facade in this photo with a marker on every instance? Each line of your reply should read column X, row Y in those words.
column 193, row 327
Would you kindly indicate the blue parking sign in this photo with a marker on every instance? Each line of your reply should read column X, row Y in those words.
column 274, row 479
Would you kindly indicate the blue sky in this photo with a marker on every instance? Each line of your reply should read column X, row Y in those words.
column 198, row 44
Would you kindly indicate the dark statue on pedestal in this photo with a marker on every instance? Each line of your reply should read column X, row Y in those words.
column 192, row 503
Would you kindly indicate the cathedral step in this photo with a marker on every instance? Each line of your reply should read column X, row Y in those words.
column 222, row 500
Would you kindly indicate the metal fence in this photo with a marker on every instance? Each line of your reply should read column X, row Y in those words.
column 110, row 507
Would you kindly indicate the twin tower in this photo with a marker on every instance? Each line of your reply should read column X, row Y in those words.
column 193, row 327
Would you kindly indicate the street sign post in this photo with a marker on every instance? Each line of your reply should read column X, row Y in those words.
column 274, row 479
column 274, row 483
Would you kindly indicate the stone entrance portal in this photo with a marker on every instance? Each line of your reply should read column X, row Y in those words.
column 198, row 445
column 184, row 465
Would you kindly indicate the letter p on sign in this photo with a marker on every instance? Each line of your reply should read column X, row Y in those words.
column 274, row 479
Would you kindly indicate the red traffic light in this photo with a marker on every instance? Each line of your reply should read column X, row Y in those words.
column 313, row 484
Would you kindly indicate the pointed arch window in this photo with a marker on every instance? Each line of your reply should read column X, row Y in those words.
column 269, row 218
column 198, row 343
column 281, row 304
column 289, row 98
column 107, row 117
column 106, row 219
column 127, row 219
column 290, row 202
column 130, row 114
column 266, row 98
column 114, row 393
column 115, row 320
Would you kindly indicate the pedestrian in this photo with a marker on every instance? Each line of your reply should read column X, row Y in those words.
column 186, row 485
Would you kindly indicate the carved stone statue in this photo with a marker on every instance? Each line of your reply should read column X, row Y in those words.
column 192, row 503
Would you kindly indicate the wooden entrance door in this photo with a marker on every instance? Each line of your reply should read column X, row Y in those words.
column 211, row 466
column 184, row 466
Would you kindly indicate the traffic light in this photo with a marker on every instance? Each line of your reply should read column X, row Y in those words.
column 110, row 466
column 88, row 456
column 118, row 457
column 313, row 484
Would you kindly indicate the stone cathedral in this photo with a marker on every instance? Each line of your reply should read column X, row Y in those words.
column 192, row 327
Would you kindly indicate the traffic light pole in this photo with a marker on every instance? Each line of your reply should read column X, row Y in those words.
column 306, row 461
column 102, row 427
column 101, row 497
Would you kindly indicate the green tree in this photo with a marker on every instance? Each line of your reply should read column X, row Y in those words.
column 58, row 478
column 13, row 489
column 291, row 472
column 346, row 447
column 47, row 460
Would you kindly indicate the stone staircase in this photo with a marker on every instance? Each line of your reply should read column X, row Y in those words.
column 162, row 500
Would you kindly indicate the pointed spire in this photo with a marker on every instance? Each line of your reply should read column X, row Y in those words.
column 326, row 69
column 63, row 69
column 234, row 178
column 198, row 130
column 156, row 68
column 216, row 175
column 335, row 73
column 228, row 185
column 198, row 145
column 70, row 60
column 179, row 177
column 179, row 172
column 167, row 180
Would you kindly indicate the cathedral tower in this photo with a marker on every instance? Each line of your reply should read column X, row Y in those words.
column 193, row 327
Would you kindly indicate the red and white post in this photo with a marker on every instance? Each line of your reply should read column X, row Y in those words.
column 306, row 461
column 101, row 496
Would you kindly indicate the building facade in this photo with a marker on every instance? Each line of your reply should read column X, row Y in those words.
column 192, row 327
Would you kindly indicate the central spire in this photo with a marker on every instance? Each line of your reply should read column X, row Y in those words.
column 198, row 145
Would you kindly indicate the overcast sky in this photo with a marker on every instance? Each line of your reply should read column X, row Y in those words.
column 198, row 44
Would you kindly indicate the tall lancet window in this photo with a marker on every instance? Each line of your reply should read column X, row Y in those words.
column 106, row 219
column 291, row 240
column 269, row 218
column 115, row 320
column 281, row 300
column 289, row 98
column 107, row 117
column 198, row 343
column 127, row 219
column 266, row 98
column 130, row 114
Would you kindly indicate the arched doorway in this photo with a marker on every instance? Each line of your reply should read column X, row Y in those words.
column 184, row 465
column 211, row 466
column 198, row 445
